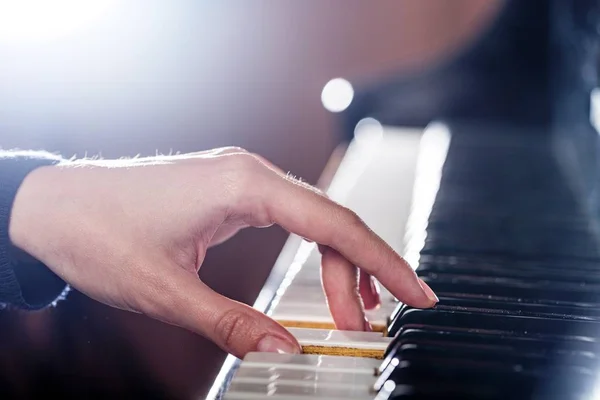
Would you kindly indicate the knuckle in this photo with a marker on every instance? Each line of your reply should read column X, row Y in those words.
column 353, row 228
column 353, row 220
column 233, row 149
column 231, row 324
column 246, row 177
column 245, row 163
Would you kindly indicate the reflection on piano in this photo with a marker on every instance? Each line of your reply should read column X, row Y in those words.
column 499, row 209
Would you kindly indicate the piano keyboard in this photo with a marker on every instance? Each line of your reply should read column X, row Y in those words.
column 513, row 258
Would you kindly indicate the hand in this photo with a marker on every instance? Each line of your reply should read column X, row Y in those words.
column 133, row 234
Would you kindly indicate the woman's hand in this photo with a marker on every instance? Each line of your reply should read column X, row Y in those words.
column 133, row 234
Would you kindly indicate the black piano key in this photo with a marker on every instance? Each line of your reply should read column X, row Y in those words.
column 499, row 349
column 533, row 272
column 558, row 292
column 492, row 321
column 551, row 343
column 523, row 245
column 524, row 308
column 498, row 353
column 541, row 262
column 548, row 343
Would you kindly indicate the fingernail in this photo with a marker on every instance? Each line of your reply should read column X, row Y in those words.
column 375, row 288
column 368, row 327
column 430, row 294
column 272, row 344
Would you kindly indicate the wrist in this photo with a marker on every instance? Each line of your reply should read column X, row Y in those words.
column 27, row 211
column 25, row 282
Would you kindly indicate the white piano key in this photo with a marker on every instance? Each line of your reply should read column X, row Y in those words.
column 340, row 339
column 312, row 361
column 289, row 310
column 314, row 296
column 296, row 390
column 308, row 314
column 287, row 396
column 278, row 396
column 280, row 373
column 301, row 289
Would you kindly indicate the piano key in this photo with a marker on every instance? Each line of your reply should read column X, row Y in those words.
column 510, row 261
column 312, row 361
column 517, row 340
column 249, row 373
column 296, row 391
column 346, row 343
column 298, row 315
column 491, row 321
column 301, row 290
column 564, row 273
column 287, row 376
column 524, row 245
column 498, row 353
column 560, row 292
column 512, row 306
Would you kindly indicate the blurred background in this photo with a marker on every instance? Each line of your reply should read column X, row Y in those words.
column 120, row 78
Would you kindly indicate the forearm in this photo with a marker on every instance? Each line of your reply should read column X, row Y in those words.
column 24, row 282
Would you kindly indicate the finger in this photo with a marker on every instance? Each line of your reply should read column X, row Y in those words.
column 183, row 300
column 307, row 213
column 369, row 291
column 225, row 232
column 340, row 282
column 270, row 164
column 191, row 155
column 221, row 151
column 288, row 176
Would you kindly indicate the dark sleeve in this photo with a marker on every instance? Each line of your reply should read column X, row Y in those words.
column 24, row 282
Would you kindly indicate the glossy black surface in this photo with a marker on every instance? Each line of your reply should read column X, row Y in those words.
column 516, row 266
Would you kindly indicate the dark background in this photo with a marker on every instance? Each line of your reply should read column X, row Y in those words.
column 152, row 76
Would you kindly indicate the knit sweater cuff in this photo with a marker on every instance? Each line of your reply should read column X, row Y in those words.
column 25, row 282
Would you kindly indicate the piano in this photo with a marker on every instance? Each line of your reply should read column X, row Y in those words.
column 483, row 174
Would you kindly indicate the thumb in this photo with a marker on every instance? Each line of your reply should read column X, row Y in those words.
column 234, row 327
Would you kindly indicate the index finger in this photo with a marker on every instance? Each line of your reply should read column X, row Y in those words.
column 301, row 209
